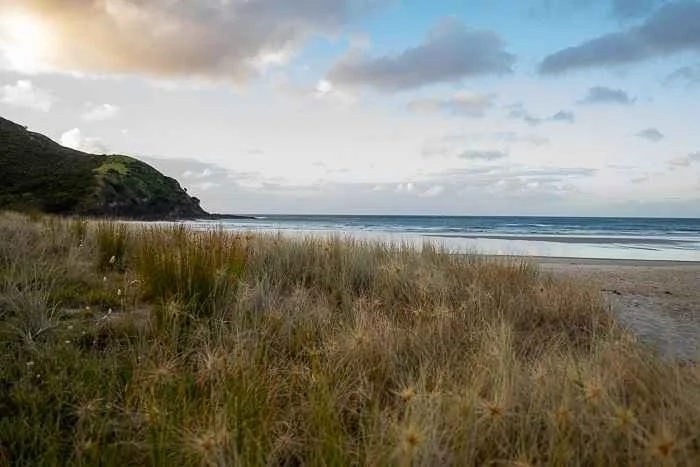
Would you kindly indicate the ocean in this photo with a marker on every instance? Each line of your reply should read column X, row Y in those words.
column 567, row 237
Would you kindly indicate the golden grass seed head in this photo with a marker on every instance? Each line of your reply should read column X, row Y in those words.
column 407, row 394
column 623, row 419
column 88, row 409
column 663, row 444
column 495, row 410
column 411, row 438
column 593, row 392
column 208, row 443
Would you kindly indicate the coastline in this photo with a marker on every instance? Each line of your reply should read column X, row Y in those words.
column 571, row 261
column 490, row 237
column 658, row 300
column 588, row 240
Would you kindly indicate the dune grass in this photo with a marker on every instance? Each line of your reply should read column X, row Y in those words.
column 132, row 345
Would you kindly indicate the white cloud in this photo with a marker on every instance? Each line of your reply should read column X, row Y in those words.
column 101, row 112
column 327, row 92
column 231, row 40
column 205, row 186
column 405, row 187
column 75, row 139
column 482, row 155
column 434, row 191
column 205, row 173
column 24, row 94
column 686, row 161
column 462, row 103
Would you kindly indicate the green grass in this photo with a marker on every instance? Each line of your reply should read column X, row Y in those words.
column 112, row 165
column 194, row 348
column 112, row 241
column 199, row 271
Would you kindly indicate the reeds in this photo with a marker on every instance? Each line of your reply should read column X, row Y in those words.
column 224, row 349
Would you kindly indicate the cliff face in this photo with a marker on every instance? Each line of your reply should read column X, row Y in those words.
column 37, row 174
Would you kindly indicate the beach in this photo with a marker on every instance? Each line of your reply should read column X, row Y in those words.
column 658, row 300
column 646, row 269
column 124, row 343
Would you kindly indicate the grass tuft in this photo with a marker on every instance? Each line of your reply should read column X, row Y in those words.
column 112, row 245
column 195, row 269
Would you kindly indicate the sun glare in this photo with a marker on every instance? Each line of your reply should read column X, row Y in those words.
column 25, row 39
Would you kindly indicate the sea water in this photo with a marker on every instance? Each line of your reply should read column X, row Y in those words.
column 567, row 237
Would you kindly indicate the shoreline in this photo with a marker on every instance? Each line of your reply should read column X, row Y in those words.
column 604, row 248
column 590, row 240
column 659, row 301
column 573, row 261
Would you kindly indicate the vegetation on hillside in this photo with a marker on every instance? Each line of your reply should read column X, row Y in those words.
column 124, row 345
column 39, row 175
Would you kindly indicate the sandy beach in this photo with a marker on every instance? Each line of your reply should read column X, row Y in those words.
column 658, row 300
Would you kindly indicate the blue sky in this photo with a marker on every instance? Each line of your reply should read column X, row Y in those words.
column 561, row 107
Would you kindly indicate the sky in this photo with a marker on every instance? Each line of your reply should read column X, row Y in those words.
column 457, row 107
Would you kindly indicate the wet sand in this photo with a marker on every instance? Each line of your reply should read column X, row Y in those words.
column 658, row 300
column 576, row 240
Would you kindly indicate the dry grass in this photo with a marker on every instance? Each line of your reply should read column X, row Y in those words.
column 217, row 349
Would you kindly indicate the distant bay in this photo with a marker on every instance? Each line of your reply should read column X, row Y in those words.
column 574, row 237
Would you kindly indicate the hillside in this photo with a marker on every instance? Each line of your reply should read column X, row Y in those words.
column 37, row 174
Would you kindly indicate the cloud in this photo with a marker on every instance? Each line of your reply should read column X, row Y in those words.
column 690, row 75
column 671, row 29
column 204, row 176
column 450, row 52
column 679, row 162
column 626, row 9
column 207, row 172
column 327, row 92
column 75, row 139
column 512, row 137
column 527, row 184
column 205, row 186
column 518, row 112
column 479, row 190
column 490, row 155
column 24, row 94
column 478, row 177
column 101, row 112
column 405, row 188
column 604, row 95
column 465, row 104
column 452, row 145
column 563, row 116
column 686, row 161
column 433, row 191
column 620, row 9
column 231, row 40
column 651, row 134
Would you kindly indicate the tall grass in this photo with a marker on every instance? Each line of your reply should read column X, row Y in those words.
column 197, row 270
column 112, row 242
column 320, row 352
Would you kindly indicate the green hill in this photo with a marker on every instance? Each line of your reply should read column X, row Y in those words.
column 37, row 174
